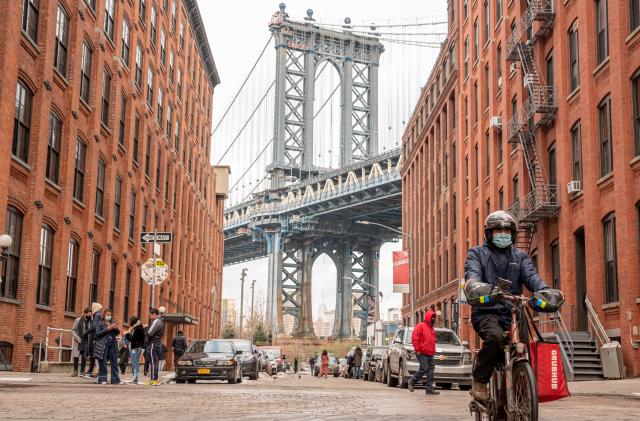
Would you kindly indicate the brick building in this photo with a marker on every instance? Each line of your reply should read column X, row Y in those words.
column 108, row 120
column 565, row 161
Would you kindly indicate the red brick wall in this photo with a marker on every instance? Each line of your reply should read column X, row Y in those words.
column 196, row 221
column 618, row 192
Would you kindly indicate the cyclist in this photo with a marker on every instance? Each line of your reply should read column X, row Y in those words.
column 485, row 264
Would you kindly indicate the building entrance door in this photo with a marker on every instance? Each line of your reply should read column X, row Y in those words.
column 581, row 280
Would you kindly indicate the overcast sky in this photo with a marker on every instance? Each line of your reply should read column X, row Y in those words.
column 237, row 31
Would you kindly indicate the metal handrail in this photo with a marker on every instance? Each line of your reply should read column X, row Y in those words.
column 59, row 347
column 595, row 327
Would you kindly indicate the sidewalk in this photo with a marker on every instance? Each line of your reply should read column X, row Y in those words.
column 10, row 377
column 624, row 389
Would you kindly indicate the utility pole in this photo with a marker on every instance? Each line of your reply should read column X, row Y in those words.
column 243, row 274
column 253, row 320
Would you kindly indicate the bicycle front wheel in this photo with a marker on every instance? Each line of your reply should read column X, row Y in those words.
column 525, row 393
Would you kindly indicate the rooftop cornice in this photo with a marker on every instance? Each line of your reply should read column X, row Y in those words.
column 195, row 19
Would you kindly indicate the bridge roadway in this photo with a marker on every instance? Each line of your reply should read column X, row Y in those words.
column 293, row 225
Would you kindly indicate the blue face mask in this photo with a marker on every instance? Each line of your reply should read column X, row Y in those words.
column 502, row 240
column 108, row 318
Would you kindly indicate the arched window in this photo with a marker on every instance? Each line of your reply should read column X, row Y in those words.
column 43, row 296
column 6, row 356
column 11, row 267
column 72, row 275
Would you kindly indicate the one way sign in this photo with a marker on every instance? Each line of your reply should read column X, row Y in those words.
column 160, row 237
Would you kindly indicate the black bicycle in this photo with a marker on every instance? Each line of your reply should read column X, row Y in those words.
column 513, row 394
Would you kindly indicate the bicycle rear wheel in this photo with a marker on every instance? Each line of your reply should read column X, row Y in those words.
column 525, row 393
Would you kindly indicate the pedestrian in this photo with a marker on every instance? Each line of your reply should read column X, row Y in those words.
column 105, row 348
column 179, row 346
column 123, row 353
column 154, row 334
column 295, row 365
column 96, row 308
column 163, row 357
column 424, row 345
column 312, row 365
column 135, row 336
column 324, row 364
column 78, row 343
column 357, row 363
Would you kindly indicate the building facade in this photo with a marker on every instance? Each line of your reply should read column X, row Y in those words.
column 109, row 137
column 566, row 161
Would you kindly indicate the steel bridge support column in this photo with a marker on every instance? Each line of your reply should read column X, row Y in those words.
column 273, row 318
column 277, row 176
column 305, row 320
column 344, row 309
column 346, row 140
column 374, row 277
column 309, row 86
column 372, row 147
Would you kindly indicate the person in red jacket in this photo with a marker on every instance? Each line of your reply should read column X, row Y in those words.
column 424, row 345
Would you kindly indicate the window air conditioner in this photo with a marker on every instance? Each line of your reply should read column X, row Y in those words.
column 574, row 186
column 496, row 122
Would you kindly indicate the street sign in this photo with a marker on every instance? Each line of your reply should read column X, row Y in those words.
column 160, row 237
column 159, row 268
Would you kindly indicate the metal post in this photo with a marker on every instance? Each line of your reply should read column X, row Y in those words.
column 153, row 285
column 253, row 321
column 241, row 301
column 412, row 296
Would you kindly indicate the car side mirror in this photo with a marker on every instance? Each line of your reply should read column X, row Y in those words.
column 238, row 352
column 465, row 344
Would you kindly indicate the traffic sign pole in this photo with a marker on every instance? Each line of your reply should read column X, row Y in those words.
column 155, row 269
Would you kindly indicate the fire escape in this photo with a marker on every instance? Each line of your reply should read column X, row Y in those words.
column 537, row 111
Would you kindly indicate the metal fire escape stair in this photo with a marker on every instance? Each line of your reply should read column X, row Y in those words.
column 539, row 109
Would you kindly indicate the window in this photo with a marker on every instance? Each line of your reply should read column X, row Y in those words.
column 153, row 25
column 123, row 117
column 179, row 91
column 44, row 265
column 498, row 11
column 85, row 72
column 53, row 149
column 454, row 160
column 181, row 36
column 486, row 86
column 514, row 115
column 501, row 198
column 127, row 293
column 465, row 8
column 150, row 86
column 487, row 155
column 499, row 146
column 549, row 62
column 634, row 14
column 78, row 177
column 132, row 215
column 147, row 156
column 499, row 66
column 574, row 67
column 22, row 122
column 175, row 193
column 100, row 188
column 112, row 286
column 72, row 276
column 166, row 182
column 476, row 36
column 610, row 259
column 62, row 41
column 6, row 350
column 555, row 264
column 140, row 295
column 454, row 212
column 466, row 175
column 30, row 11
column 486, row 20
column 176, row 139
column 169, row 132
column 602, row 42
column 606, row 153
column 553, row 177
column 515, row 189
column 466, row 56
column 95, row 276
column 636, row 111
column 124, row 55
column 158, row 164
column 117, row 200
column 466, row 116
column 476, row 164
column 173, row 16
column 143, row 11
column 145, row 210
column 160, row 97
column 576, row 152
column 139, row 57
column 109, row 18
column 477, row 227
column 11, row 267
column 163, row 47
column 106, row 92
column 136, row 138
column 475, row 102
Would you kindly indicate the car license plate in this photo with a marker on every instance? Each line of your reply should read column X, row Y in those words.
column 204, row 371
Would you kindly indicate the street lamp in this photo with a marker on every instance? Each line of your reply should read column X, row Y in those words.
column 408, row 237
column 5, row 243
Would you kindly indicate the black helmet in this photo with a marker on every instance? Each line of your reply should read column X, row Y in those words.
column 500, row 219
column 547, row 300
column 478, row 293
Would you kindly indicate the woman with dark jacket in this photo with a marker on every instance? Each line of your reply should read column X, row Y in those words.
column 135, row 336
column 105, row 348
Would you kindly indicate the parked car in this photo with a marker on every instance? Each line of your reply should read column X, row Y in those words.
column 250, row 359
column 452, row 360
column 273, row 353
column 370, row 361
column 334, row 365
column 212, row 359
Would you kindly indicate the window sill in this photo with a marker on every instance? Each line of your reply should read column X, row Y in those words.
column 635, row 162
column 495, row 28
column 60, row 79
column 43, row 307
column 100, row 219
column 573, row 197
column 85, row 108
column 29, row 45
column 574, row 95
column 513, row 153
column 633, row 38
column 605, row 180
column 23, row 165
column 52, row 185
column 71, row 314
column 610, row 305
column 116, row 231
column 601, row 68
column 9, row 301
column 78, row 203
column 105, row 129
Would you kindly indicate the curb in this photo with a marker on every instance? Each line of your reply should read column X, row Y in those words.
column 607, row 395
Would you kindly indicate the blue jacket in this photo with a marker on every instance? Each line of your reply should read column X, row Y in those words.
column 104, row 337
column 487, row 263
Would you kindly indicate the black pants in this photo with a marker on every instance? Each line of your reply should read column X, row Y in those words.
column 427, row 366
column 491, row 329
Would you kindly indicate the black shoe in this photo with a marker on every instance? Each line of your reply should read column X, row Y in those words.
column 411, row 385
column 432, row 392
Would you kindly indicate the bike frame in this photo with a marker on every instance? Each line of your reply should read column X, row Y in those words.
column 512, row 357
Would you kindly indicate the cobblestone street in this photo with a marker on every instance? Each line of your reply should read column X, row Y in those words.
column 286, row 398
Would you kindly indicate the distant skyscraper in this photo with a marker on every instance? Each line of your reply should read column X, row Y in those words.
column 287, row 323
column 228, row 310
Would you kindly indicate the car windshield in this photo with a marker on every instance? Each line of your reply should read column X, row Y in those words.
column 244, row 346
column 218, row 347
column 272, row 353
column 447, row 338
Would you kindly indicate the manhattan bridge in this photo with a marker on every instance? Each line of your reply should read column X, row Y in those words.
column 315, row 153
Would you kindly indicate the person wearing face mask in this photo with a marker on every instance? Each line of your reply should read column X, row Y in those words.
column 496, row 258
column 105, row 348
column 79, row 346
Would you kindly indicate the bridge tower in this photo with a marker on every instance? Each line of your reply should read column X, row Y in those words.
column 300, row 48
